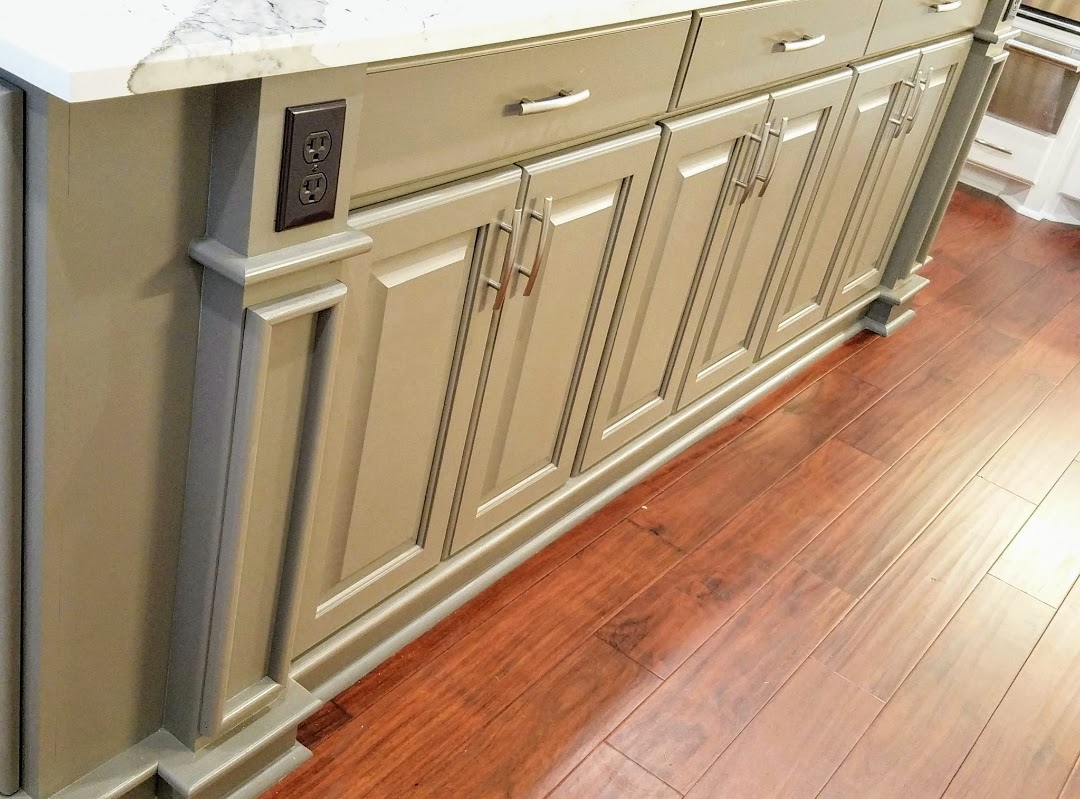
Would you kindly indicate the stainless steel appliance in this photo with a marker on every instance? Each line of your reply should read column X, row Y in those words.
column 1042, row 74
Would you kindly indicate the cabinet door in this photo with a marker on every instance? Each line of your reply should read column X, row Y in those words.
column 747, row 242
column 581, row 211
column 807, row 285
column 870, row 236
column 409, row 360
column 636, row 390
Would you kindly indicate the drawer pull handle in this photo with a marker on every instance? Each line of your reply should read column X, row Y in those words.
column 503, row 283
column 997, row 148
column 779, row 134
column 909, row 90
column 541, row 247
column 1066, row 63
column 923, row 85
column 941, row 8
column 802, row 43
column 755, row 162
column 563, row 99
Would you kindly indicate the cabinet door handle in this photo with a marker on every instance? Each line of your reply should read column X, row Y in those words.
column 997, row 148
column 541, row 247
column 802, row 43
column 909, row 86
column 941, row 8
column 503, row 282
column 923, row 85
column 755, row 163
column 563, row 99
column 779, row 134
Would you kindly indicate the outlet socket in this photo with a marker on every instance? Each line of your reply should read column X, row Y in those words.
column 310, row 163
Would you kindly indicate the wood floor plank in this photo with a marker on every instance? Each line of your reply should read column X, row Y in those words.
column 1044, row 559
column 869, row 536
column 1035, row 457
column 796, row 742
column 1055, row 350
column 667, row 622
column 690, row 510
column 468, row 685
column 943, row 273
column 899, row 420
column 454, row 627
column 1038, row 300
column 609, row 774
column 986, row 288
column 919, row 740
column 1028, row 748
column 1045, row 243
column 882, row 638
column 688, row 721
column 776, row 399
column 320, row 724
column 532, row 745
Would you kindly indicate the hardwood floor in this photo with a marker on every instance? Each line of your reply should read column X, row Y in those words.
column 864, row 586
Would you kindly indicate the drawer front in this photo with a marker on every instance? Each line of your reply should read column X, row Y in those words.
column 737, row 48
column 423, row 121
column 904, row 22
column 1009, row 149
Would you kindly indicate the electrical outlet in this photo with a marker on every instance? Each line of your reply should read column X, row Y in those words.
column 310, row 163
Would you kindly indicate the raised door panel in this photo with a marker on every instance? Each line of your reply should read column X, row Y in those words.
column 636, row 389
column 896, row 172
column 807, row 285
column 745, row 254
column 581, row 211
column 404, row 385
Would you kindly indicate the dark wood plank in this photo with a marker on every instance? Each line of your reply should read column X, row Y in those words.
column 1038, row 301
column 943, row 273
column 1029, row 746
column 1037, row 454
column 979, row 227
column 1044, row 559
column 866, row 539
column 919, row 740
column 899, row 420
column 774, row 400
column 320, row 724
column 1055, row 350
column 663, row 626
column 468, row 685
column 533, row 744
column 1045, row 243
column 689, row 511
column 883, row 637
column 679, row 731
column 794, row 744
column 453, row 628
column 609, row 774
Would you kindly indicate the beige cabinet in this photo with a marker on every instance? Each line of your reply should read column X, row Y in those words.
column 639, row 386
column 760, row 205
column 409, row 356
column 580, row 211
column 870, row 120
column 894, row 171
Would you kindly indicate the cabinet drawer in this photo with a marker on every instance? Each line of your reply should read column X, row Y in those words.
column 1010, row 149
column 904, row 22
column 432, row 119
column 744, row 47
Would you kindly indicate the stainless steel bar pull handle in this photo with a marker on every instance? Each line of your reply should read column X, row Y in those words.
column 923, row 85
column 541, row 247
column 997, row 148
column 503, row 284
column 563, row 99
column 802, row 43
column 1063, row 61
column 755, row 163
column 779, row 134
column 941, row 8
column 909, row 89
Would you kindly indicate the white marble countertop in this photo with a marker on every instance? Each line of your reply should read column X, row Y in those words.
column 82, row 50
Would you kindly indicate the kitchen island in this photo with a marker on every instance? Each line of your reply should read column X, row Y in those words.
column 337, row 311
